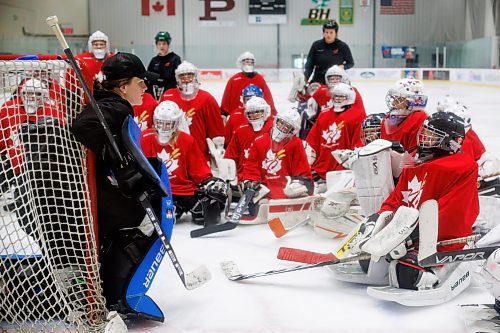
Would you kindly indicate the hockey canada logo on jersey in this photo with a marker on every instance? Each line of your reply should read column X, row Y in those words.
column 189, row 116
column 272, row 162
column 333, row 133
column 415, row 188
column 170, row 159
column 142, row 120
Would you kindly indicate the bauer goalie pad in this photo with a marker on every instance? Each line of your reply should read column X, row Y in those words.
column 452, row 281
column 373, row 176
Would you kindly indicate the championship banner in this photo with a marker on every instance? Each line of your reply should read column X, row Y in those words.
column 346, row 11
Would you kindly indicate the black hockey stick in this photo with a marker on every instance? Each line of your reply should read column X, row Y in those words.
column 233, row 222
column 449, row 257
column 232, row 272
column 201, row 274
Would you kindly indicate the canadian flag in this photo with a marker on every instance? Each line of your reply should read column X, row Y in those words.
column 157, row 7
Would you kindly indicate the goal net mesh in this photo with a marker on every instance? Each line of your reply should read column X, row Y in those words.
column 49, row 270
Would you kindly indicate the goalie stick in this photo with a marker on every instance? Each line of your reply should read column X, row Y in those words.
column 233, row 222
column 191, row 280
column 310, row 257
column 279, row 230
column 233, row 273
column 448, row 257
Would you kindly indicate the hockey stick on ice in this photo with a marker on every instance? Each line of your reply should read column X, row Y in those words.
column 449, row 257
column 191, row 280
column 310, row 257
column 232, row 272
column 233, row 222
column 279, row 230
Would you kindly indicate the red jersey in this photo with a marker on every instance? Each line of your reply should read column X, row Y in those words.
column 143, row 114
column 406, row 132
column 234, row 121
column 451, row 180
column 472, row 145
column 185, row 164
column 331, row 131
column 322, row 97
column 13, row 114
column 270, row 168
column 231, row 99
column 239, row 147
column 202, row 114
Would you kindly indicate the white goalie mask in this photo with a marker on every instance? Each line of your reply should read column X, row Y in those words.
column 334, row 75
column 186, row 76
column 100, row 52
column 257, row 111
column 342, row 96
column 34, row 94
column 450, row 104
column 246, row 62
column 166, row 120
column 406, row 96
column 286, row 125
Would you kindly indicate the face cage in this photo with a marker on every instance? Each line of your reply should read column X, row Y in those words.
column 370, row 134
column 185, row 78
column 165, row 125
column 429, row 137
column 395, row 102
column 332, row 80
column 254, row 115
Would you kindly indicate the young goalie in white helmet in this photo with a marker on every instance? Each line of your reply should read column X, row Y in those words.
column 278, row 156
column 194, row 189
column 200, row 109
column 236, row 83
column 260, row 121
column 406, row 102
column 338, row 127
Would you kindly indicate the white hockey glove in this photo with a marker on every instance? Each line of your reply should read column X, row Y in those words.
column 295, row 188
column 346, row 157
column 312, row 108
column 310, row 153
column 489, row 165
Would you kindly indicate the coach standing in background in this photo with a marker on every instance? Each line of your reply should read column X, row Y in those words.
column 164, row 64
column 326, row 52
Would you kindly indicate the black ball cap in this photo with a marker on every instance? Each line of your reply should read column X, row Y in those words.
column 126, row 66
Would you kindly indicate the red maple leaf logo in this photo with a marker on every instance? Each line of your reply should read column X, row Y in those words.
column 158, row 7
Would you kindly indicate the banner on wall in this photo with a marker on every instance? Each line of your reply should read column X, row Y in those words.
column 267, row 12
column 436, row 75
column 346, row 11
column 317, row 15
column 401, row 52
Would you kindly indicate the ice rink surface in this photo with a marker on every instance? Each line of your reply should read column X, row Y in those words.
column 309, row 300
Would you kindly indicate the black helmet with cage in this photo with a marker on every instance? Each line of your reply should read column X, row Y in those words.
column 441, row 134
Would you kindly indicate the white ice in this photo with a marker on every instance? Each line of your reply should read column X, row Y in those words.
column 309, row 300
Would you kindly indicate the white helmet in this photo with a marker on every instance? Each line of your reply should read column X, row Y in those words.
column 342, row 96
column 257, row 111
column 34, row 94
column 99, row 53
column 186, row 76
column 491, row 274
column 334, row 75
column 246, row 62
column 286, row 125
column 406, row 95
column 450, row 104
column 166, row 120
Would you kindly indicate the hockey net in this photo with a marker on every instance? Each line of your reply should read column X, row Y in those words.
column 49, row 270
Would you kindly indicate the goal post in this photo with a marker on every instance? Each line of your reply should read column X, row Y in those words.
column 49, row 269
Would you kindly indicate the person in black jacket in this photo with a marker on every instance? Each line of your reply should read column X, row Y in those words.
column 326, row 52
column 117, row 208
column 164, row 64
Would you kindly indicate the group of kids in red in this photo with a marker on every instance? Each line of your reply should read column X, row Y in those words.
column 445, row 152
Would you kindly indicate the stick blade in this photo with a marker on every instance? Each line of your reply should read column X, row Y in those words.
column 303, row 256
column 277, row 227
column 198, row 277
column 212, row 229
column 230, row 270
